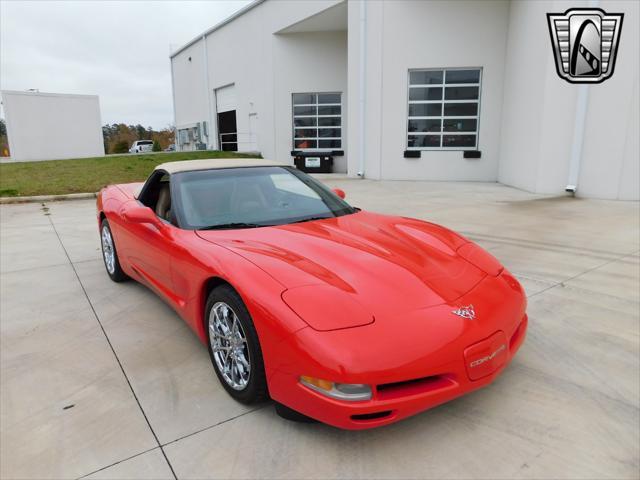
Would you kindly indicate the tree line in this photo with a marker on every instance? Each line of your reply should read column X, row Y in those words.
column 4, row 141
column 118, row 137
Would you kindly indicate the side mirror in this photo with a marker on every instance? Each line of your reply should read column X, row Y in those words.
column 140, row 214
column 339, row 192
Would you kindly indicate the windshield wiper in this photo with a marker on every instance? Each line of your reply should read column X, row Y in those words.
column 227, row 226
column 311, row 219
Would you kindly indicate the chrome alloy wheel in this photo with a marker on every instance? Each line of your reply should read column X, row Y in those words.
column 229, row 346
column 108, row 251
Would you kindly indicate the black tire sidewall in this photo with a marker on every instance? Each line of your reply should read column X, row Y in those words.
column 118, row 274
column 256, row 389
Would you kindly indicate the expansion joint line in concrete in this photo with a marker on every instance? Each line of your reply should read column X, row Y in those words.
column 124, row 373
column 588, row 270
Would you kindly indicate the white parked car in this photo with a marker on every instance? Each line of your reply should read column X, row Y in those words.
column 140, row 146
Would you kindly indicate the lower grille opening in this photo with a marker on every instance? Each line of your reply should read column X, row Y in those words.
column 371, row 416
column 415, row 386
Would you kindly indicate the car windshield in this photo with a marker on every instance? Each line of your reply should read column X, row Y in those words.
column 252, row 197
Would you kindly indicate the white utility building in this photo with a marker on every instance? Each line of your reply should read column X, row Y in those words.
column 413, row 90
column 50, row 126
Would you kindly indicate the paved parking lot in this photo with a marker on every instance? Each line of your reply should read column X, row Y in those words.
column 103, row 380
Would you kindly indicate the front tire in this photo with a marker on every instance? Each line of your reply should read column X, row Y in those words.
column 234, row 347
column 110, row 254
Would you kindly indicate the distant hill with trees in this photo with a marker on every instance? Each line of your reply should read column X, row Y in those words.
column 4, row 141
column 118, row 137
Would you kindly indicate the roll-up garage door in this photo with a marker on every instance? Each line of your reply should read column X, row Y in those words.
column 226, row 98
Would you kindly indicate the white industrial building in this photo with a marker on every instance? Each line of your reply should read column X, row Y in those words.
column 51, row 126
column 363, row 82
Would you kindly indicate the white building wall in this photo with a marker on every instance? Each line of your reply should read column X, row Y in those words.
column 540, row 111
column 372, row 120
column 308, row 62
column 190, row 91
column 266, row 68
column 50, row 126
column 527, row 113
column 403, row 35
column 611, row 157
column 240, row 53
column 523, row 90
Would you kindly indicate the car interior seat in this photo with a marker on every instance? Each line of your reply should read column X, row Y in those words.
column 163, row 206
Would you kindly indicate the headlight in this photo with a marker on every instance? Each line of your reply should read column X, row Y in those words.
column 352, row 392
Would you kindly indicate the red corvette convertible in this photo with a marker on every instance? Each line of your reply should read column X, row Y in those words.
column 345, row 316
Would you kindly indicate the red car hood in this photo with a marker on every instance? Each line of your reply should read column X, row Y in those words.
column 381, row 262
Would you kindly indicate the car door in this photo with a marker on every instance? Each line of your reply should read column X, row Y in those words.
column 151, row 257
column 150, row 246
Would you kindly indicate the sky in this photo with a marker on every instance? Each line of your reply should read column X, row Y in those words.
column 118, row 50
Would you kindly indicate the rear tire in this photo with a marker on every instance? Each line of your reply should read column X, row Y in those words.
column 234, row 347
column 110, row 254
column 289, row 414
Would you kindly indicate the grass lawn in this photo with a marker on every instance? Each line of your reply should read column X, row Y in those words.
column 82, row 175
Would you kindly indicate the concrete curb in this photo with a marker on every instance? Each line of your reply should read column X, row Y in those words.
column 46, row 198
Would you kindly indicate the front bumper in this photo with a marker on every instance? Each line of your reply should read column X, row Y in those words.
column 394, row 402
column 464, row 358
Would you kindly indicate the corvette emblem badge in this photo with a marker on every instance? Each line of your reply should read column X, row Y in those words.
column 465, row 312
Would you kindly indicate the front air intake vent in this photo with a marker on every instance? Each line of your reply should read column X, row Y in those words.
column 415, row 386
column 363, row 417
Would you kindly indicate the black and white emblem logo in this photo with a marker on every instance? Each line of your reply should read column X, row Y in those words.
column 585, row 43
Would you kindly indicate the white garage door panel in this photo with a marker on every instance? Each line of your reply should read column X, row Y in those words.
column 226, row 98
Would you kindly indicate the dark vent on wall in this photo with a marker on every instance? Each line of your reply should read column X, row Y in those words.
column 412, row 154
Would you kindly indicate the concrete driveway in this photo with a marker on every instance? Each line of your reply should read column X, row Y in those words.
column 103, row 380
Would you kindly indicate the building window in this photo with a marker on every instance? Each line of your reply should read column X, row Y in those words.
column 444, row 109
column 317, row 121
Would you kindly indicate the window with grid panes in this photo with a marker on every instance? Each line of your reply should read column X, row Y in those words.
column 317, row 121
column 444, row 109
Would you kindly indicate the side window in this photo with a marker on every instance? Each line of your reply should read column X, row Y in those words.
column 156, row 195
column 163, row 205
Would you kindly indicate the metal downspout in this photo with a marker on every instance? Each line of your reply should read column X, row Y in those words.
column 578, row 138
column 208, row 96
column 362, row 74
column 578, row 130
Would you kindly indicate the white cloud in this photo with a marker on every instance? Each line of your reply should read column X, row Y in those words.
column 118, row 50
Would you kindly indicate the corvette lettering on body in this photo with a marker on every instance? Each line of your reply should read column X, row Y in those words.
column 482, row 360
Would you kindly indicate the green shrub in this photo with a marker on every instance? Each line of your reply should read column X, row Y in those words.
column 120, row 147
column 156, row 146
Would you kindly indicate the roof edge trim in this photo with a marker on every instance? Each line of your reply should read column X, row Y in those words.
column 46, row 94
column 221, row 24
